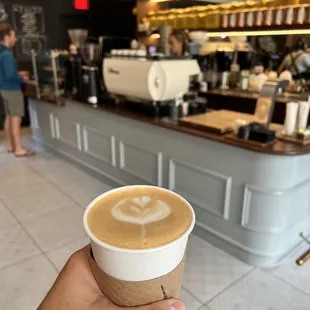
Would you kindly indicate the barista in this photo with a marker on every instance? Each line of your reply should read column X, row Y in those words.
column 179, row 43
column 297, row 62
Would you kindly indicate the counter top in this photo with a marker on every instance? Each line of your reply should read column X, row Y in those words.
column 283, row 98
column 277, row 148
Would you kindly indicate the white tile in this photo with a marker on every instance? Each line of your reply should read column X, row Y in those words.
column 84, row 195
column 60, row 256
column 293, row 274
column 23, row 286
column 190, row 301
column 208, row 271
column 259, row 291
column 15, row 245
column 12, row 166
column 196, row 245
column 56, row 228
column 80, row 186
column 6, row 218
column 49, row 164
column 21, row 184
column 37, row 202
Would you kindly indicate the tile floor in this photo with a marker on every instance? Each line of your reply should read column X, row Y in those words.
column 41, row 205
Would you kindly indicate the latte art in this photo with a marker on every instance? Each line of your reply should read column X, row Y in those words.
column 139, row 218
column 140, row 210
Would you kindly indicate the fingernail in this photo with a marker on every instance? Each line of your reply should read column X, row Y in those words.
column 177, row 306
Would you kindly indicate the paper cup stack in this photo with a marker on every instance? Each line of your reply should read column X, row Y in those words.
column 297, row 114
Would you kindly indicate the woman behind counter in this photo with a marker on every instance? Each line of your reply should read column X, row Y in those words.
column 179, row 43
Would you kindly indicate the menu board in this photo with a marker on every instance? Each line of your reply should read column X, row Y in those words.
column 27, row 43
column 28, row 19
column 29, row 24
column 4, row 16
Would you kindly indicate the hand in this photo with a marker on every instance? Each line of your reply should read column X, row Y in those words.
column 77, row 289
column 25, row 75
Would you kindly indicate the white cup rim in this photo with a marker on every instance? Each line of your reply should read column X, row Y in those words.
column 136, row 251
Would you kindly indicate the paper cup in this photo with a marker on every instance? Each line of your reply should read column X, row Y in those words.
column 134, row 269
column 134, row 265
column 291, row 118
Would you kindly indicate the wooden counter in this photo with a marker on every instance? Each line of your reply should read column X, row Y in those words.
column 277, row 148
column 245, row 101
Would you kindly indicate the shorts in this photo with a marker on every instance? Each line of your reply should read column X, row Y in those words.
column 13, row 101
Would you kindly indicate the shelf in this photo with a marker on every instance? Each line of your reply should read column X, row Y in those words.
column 257, row 31
column 260, row 31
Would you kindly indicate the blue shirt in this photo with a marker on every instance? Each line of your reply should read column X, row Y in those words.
column 9, row 78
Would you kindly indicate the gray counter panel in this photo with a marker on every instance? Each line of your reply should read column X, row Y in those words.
column 250, row 204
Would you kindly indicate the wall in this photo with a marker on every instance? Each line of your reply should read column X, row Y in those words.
column 112, row 17
column 105, row 17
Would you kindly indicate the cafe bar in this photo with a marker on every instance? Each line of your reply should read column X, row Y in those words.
column 209, row 100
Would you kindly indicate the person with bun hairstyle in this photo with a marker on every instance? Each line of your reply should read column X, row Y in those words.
column 179, row 43
column 298, row 61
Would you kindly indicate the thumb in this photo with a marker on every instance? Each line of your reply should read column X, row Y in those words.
column 169, row 304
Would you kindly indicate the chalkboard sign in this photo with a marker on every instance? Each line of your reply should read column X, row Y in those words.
column 29, row 42
column 28, row 19
column 4, row 16
column 29, row 23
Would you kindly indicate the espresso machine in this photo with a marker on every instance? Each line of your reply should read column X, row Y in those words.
column 74, row 76
column 92, row 57
column 159, row 83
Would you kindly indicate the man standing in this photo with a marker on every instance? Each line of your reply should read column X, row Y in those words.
column 10, row 88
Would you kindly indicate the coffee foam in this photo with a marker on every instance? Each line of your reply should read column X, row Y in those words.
column 139, row 218
column 140, row 210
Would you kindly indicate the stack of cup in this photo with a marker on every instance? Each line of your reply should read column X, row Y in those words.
column 291, row 118
column 138, row 237
column 303, row 115
column 297, row 115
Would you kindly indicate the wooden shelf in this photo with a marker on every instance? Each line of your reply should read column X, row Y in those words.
column 257, row 31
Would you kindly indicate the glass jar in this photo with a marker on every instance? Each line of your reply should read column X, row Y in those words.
column 232, row 19
column 259, row 20
column 269, row 17
column 241, row 18
column 289, row 13
column 279, row 17
column 225, row 19
column 250, row 17
column 301, row 14
column 307, row 20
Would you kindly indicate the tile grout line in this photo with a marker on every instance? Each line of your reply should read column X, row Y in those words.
column 28, row 234
column 20, row 261
column 229, row 286
column 286, row 282
column 76, row 202
column 56, row 187
column 35, row 171
column 192, row 295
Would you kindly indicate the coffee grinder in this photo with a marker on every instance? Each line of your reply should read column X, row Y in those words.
column 91, row 55
column 74, row 75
